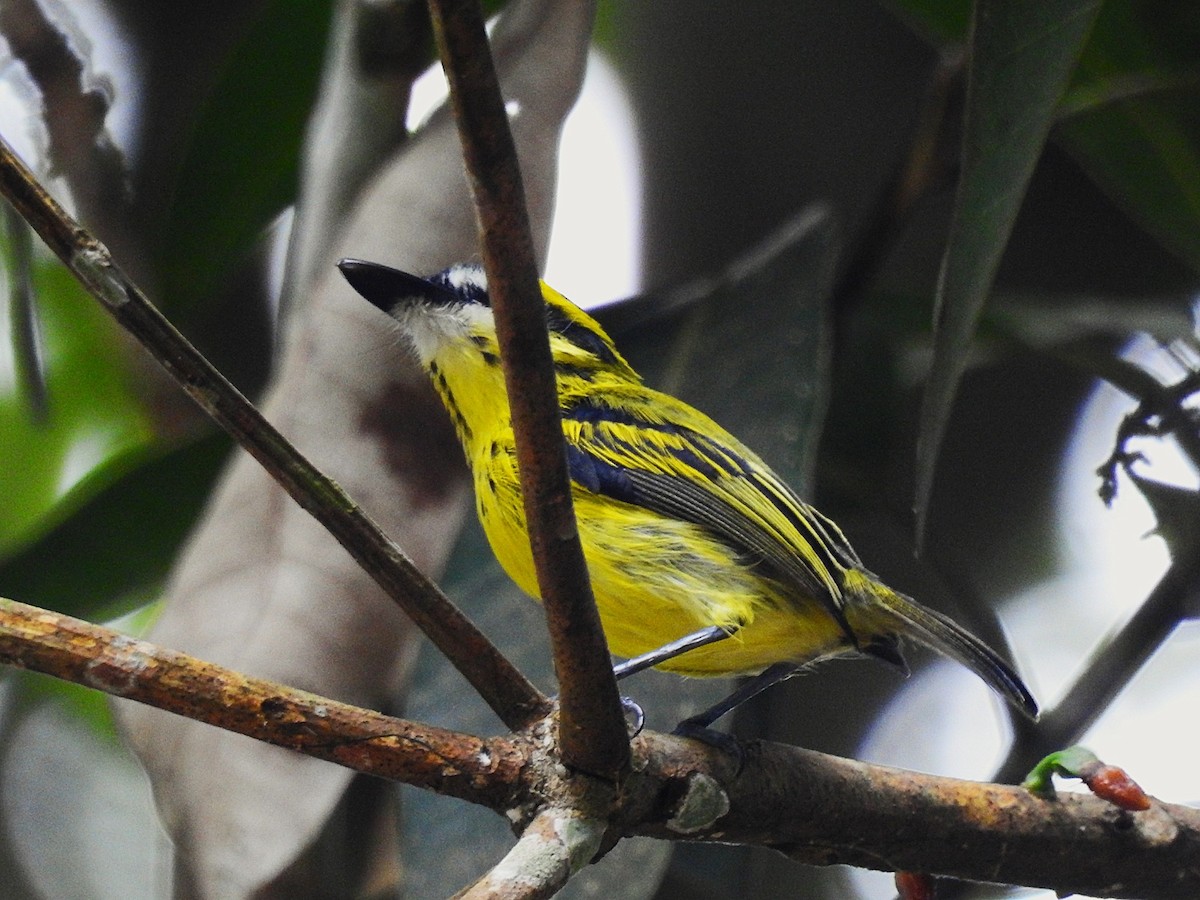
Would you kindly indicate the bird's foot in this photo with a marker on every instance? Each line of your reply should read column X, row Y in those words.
column 635, row 717
column 698, row 730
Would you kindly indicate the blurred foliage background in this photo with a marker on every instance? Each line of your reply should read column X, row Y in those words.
column 798, row 167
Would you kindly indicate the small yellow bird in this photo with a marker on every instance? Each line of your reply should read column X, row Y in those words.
column 703, row 561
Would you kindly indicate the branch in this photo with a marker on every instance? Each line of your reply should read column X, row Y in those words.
column 29, row 363
column 817, row 809
column 1111, row 667
column 1121, row 655
column 591, row 726
column 448, row 762
column 552, row 848
column 822, row 810
column 514, row 699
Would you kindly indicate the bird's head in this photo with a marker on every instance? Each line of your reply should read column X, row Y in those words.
column 448, row 317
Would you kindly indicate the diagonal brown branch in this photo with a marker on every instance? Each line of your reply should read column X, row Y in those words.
column 1122, row 654
column 591, row 727
column 506, row 690
column 557, row 843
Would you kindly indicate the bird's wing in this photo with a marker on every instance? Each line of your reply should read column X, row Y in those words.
column 654, row 451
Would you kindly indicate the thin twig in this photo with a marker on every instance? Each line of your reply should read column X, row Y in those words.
column 1119, row 657
column 459, row 765
column 1112, row 666
column 550, row 850
column 591, row 727
column 506, row 690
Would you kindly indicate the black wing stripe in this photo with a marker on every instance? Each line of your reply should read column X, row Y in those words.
column 823, row 534
column 727, row 481
column 681, row 499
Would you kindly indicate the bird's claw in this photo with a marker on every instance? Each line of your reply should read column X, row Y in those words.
column 635, row 717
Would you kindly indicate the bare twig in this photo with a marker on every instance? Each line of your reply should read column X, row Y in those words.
column 591, row 727
column 514, row 699
column 1115, row 662
column 448, row 762
column 816, row 808
column 556, row 844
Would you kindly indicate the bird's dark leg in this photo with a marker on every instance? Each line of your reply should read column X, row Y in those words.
column 752, row 688
column 634, row 716
column 700, row 638
column 697, row 726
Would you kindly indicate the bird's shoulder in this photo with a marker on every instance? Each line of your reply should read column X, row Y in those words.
column 652, row 430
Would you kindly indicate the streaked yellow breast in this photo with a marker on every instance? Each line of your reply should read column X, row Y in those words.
column 656, row 579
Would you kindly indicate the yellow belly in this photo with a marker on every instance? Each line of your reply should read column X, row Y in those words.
column 657, row 579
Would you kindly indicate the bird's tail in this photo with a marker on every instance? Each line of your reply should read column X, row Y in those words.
column 911, row 619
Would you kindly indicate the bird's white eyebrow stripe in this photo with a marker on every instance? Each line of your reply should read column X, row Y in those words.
column 467, row 276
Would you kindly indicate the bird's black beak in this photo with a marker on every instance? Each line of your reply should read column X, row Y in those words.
column 387, row 288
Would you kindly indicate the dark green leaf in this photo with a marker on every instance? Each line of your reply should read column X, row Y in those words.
column 1022, row 54
column 97, row 426
column 241, row 168
column 1133, row 117
column 1130, row 116
column 943, row 21
column 115, row 551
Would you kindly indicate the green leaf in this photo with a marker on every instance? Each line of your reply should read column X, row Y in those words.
column 241, row 168
column 97, row 425
column 1132, row 121
column 942, row 21
column 1071, row 762
column 117, row 549
column 1022, row 54
column 1129, row 116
